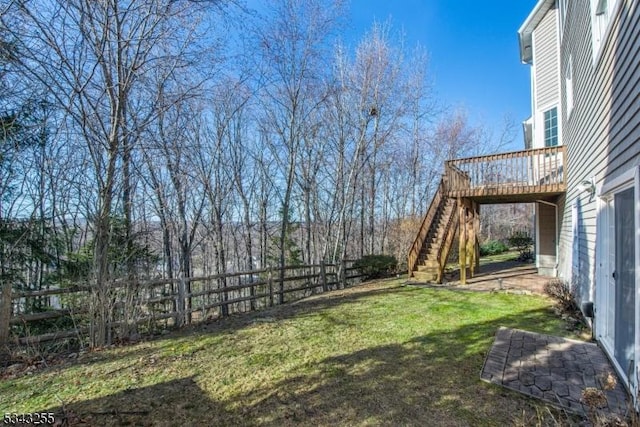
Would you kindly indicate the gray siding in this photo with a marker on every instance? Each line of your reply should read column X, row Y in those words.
column 624, row 128
column 545, row 60
column 602, row 134
column 546, row 241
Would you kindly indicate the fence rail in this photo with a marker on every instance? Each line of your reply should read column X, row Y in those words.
column 157, row 304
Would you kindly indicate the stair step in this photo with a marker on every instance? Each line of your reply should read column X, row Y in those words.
column 424, row 276
column 432, row 256
column 430, row 248
column 427, row 267
column 438, row 237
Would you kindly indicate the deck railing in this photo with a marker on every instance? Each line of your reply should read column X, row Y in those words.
column 533, row 171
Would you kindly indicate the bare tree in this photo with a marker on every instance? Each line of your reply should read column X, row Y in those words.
column 223, row 151
column 91, row 55
column 292, row 45
column 368, row 108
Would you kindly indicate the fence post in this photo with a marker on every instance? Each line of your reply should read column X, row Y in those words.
column 343, row 273
column 224, row 296
column 180, row 312
column 187, row 300
column 252, row 294
column 281, row 274
column 5, row 311
column 323, row 276
column 270, row 280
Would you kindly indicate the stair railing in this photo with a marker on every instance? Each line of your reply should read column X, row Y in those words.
column 447, row 240
column 414, row 252
column 457, row 178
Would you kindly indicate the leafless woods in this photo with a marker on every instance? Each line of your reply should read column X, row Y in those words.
column 167, row 138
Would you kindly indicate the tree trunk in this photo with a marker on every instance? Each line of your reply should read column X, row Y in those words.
column 5, row 309
column 102, row 302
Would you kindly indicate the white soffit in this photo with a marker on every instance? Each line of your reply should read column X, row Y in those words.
column 526, row 30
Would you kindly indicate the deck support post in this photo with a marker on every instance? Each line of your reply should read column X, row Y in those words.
column 468, row 231
column 473, row 249
column 471, row 238
column 476, row 245
column 462, row 244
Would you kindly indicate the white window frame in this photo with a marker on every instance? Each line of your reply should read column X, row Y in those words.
column 568, row 86
column 603, row 13
column 562, row 6
column 544, row 126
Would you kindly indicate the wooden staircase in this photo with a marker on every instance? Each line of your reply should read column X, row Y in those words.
column 430, row 250
column 435, row 250
column 515, row 177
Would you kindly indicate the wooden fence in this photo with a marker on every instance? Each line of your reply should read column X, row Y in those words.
column 159, row 304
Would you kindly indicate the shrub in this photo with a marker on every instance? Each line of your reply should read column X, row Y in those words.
column 376, row 266
column 493, row 247
column 522, row 242
column 564, row 293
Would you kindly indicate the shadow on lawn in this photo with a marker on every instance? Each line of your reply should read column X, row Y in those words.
column 428, row 380
column 161, row 404
column 229, row 325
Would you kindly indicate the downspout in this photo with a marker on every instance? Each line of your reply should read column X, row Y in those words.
column 556, row 233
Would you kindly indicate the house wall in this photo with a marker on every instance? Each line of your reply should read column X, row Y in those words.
column 623, row 54
column 602, row 132
column 546, row 239
column 545, row 60
column 546, row 84
column 599, row 110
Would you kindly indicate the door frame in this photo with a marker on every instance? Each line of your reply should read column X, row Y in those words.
column 628, row 179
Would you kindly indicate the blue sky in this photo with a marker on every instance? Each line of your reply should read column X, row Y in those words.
column 473, row 51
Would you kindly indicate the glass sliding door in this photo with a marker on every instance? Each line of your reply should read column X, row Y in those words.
column 624, row 279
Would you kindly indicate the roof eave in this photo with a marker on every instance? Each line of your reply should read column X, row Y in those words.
column 525, row 32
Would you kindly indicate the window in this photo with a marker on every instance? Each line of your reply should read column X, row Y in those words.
column 568, row 86
column 602, row 12
column 551, row 127
column 600, row 21
column 563, row 15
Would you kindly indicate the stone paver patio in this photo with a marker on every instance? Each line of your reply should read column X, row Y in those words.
column 553, row 369
column 505, row 276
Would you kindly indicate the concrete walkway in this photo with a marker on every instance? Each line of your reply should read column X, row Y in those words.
column 553, row 369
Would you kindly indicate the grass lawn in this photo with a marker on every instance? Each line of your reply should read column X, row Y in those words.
column 505, row 256
column 377, row 354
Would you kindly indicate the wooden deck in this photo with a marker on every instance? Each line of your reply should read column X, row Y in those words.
column 519, row 176
column 515, row 177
